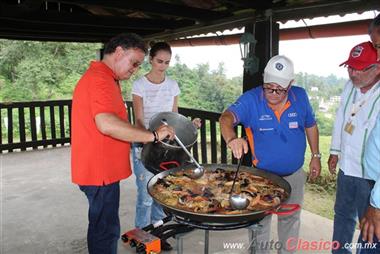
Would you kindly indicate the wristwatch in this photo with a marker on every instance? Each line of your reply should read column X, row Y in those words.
column 316, row 155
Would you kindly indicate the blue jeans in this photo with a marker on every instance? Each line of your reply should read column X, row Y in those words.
column 352, row 199
column 103, row 216
column 147, row 210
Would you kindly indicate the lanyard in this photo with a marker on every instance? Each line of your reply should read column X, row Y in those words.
column 358, row 105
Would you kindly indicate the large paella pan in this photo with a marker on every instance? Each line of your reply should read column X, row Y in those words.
column 206, row 199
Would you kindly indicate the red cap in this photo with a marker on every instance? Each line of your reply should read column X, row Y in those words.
column 361, row 56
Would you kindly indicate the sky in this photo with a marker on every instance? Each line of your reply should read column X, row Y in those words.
column 315, row 56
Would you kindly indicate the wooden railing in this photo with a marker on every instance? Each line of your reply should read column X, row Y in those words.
column 40, row 124
column 34, row 124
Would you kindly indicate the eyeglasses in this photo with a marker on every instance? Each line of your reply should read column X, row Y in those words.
column 277, row 91
column 364, row 70
column 134, row 63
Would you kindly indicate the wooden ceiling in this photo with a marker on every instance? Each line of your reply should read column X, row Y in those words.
column 98, row 20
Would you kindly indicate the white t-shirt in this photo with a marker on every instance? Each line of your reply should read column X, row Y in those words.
column 156, row 97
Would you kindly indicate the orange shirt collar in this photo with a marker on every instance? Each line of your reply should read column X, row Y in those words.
column 279, row 113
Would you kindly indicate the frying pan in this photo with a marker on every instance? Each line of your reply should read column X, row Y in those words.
column 227, row 218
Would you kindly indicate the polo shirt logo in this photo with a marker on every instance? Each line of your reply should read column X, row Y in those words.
column 293, row 125
column 265, row 118
column 292, row 114
column 266, row 129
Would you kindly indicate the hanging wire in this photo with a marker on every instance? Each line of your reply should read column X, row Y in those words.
column 220, row 38
column 308, row 29
column 189, row 41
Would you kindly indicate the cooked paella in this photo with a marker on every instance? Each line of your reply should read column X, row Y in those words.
column 210, row 193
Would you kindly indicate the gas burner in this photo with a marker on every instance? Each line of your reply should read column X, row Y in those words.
column 213, row 226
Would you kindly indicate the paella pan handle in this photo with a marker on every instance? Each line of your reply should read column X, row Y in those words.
column 166, row 163
column 285, row 209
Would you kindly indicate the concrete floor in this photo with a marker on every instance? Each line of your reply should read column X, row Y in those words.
column 43, row 212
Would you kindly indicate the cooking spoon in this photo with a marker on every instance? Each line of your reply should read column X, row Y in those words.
column 199, row 170
column 237, row 201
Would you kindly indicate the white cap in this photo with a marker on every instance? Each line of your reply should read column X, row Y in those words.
column 279, row 70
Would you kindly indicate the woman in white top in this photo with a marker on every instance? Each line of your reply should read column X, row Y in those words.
column 153, row 93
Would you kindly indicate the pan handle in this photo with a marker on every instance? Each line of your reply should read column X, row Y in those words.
column 288, row 209
column 166, row 163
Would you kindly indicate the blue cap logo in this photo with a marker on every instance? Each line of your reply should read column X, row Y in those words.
column 279, row 66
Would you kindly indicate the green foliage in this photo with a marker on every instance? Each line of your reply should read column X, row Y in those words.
column 320, row 194
column 327, row 86
column 325, row 124
column 42, row 70
column 204, row 89
column 320, row 91
column 49, row 70
column 326, row 182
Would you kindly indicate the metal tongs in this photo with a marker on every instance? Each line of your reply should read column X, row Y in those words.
column 199, row 170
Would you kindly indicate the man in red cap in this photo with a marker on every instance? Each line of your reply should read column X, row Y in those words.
column 355, row 118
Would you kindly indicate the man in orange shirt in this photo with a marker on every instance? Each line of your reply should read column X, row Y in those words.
column 100, row 137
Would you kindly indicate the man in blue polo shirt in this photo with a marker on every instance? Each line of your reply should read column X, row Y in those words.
column 277, row 118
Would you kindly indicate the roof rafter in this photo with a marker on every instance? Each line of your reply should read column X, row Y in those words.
column 153, row 7
column 214, row 26
column 324, row 9
column 65, row 31
column 96, row 21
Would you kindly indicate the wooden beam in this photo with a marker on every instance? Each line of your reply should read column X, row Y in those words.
column 257, row 5
column 324, row 9
column 62, row 28
column 60, row 18
column 214, row 26
column 154, row 7
column 50, row 36
column 357, row 27
column 21, row 30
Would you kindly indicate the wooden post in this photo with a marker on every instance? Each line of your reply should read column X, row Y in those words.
column 265, row 32
column 267, row 36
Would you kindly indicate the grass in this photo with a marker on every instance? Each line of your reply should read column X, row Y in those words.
column 319, row 202
column 320, row 195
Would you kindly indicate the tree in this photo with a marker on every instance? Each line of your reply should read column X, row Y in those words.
column 325, row 124
column 50, row 70
column 42, row 70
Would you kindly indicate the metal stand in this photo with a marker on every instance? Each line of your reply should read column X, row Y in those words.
column 179, row 242
column 252, row 237
column 207, row 236
column 252, row 226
